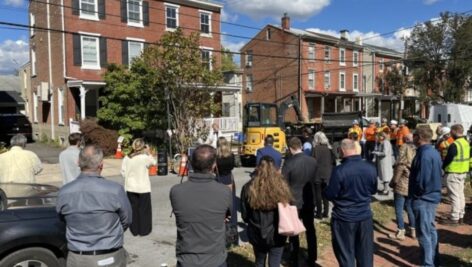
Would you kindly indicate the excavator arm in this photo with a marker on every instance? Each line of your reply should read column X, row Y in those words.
column 292, row 102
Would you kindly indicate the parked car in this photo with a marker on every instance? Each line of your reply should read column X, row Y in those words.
column 11, row 124
column 31, row 233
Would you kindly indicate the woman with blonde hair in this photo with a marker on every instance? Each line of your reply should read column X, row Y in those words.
column 224, row 175
column 138, row 186
column 259, row 198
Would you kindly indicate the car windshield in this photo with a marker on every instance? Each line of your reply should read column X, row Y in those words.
column 14, row 196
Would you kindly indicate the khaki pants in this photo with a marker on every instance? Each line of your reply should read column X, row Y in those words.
column 455, row 189
column 114, row 259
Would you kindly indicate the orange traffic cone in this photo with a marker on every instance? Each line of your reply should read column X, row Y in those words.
column 118, row 153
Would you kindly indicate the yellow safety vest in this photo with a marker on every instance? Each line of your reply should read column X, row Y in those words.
column 460, row 163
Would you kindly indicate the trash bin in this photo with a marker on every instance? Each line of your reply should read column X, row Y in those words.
column 162, row 163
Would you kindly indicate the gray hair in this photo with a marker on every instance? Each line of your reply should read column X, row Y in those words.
column 90, row 158
column 321, row 139
column 18, row 140
column 348, row 145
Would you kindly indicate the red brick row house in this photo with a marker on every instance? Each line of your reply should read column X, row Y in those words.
column 327, row 73
column 68, row 63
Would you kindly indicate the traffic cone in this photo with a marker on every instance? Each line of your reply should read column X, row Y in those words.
column 118, row 153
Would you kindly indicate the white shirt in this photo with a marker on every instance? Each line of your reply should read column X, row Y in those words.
column 69, row 163
column 136, row 173
column 19, row 166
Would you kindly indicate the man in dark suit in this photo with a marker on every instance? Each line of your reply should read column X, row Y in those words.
column 299, row 171
column 269, row 150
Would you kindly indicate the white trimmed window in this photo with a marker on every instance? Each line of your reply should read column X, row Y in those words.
column 381, row 66
column 90, row 52
column 33, row 62
column 355, row 82
column 327, row 79
column 311, row 52
column 355, row 58
column 327, row 54
column 205, row 23
column 249, row 85
column 311, row 79
column 206, row 58
column 342, row 57
column 35, row 107
column 249, row 58
column 89, row 9
column 32, row 24
column 60, row 105
column 172, row 17
column 135, row 13
column 342, row 81
column 268, row 33
column 364, row 83
column 134, row 50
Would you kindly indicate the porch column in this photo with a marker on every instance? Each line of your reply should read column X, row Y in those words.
column 83, row 93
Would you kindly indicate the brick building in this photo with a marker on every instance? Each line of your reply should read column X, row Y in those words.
column 68, row 63
column 327, row 73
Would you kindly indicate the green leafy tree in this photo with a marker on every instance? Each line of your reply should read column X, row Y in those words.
column 439, row 55
column 227, row 63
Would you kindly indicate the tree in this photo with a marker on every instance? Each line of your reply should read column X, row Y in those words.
column 172, row 72
column 227, row 63
column 439, row 54
column 187, row 82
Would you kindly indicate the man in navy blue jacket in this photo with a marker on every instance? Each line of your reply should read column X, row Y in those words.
column 425, row 190
column 269, row 150
column 350, row 188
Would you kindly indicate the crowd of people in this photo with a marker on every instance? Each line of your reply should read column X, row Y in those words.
column 97, row 211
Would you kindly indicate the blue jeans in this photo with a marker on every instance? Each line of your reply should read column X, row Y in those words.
column 425, row 213
column 275, row 256
column 402, row 202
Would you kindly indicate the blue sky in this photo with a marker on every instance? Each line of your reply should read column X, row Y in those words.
column 363, row 18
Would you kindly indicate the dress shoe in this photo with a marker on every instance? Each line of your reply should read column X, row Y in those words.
column 448, row 221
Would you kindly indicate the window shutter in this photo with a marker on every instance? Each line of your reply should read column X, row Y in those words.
column 146, row 13
column 124, row 52
column 101, row 9
column 75, row 7
column 103, row 52
column 124, row 11
column 76, row 46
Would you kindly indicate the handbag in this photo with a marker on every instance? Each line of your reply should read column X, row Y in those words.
column 231, row 235
column 289, row 223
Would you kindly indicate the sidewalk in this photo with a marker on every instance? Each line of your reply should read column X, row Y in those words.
column 51, row 173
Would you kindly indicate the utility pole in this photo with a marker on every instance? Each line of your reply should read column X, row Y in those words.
column 404, row 81
column 169, row 129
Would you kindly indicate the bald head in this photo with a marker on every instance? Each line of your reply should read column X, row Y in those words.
column 204, row 159
column 91, row 158
column 408, row 138
column 348, row 147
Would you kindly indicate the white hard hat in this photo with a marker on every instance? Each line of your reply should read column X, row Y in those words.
column 394, row 122
column 444, row 130
column 355, row 122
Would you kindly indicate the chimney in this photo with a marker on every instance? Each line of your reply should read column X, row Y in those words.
column 344, row 34
column 359, row 40
column 286, row 22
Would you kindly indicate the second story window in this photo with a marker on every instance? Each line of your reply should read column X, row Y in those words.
column 33, row 62
column 89, row 9
column 172, row 19
column 90, row 52
column 342, row 56
column 134, row 50
column 135, row 12
column 355, row 82
column 355, row 58
column 381, row 65
column 311, row 52
column 327, row 79
column 342, row 81
column 206, row 59
column 311, row 79
column 249, row 58
column 249, row 83
column 327, row 54
column 205, row 23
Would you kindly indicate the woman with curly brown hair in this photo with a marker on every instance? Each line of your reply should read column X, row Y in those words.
column 259, row 198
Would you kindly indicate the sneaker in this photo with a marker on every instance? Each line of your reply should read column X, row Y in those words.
column 448, row 221
column 400, row 235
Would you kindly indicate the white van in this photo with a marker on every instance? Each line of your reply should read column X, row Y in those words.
column 450, row 114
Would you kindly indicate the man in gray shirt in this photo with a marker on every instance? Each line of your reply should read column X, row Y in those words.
column 200, row 206
column 96, row 212
column 69, row 159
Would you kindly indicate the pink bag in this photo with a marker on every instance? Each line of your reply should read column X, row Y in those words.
column 289, row 223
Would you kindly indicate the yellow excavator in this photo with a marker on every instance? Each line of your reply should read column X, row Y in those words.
column 261, row 120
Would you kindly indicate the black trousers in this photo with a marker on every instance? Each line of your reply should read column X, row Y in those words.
column 306, row 214
column 142, row 213
column 370, row 147
column 353, row 243
column 322, row 204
